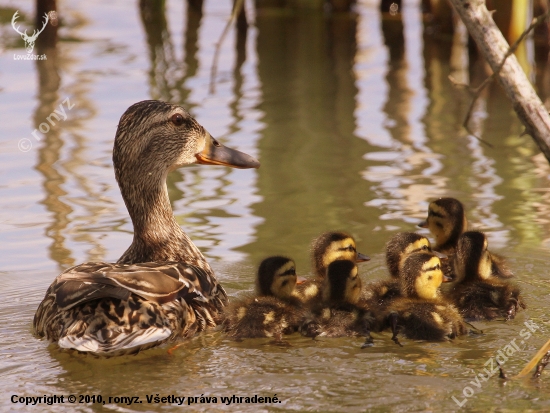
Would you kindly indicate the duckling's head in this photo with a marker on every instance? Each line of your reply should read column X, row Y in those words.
column 403, row 244
column 446, row 221
column 421, row 276
column 154, row 138
column 342, row 282
column 332, row 246
column 472, row 260
column 276, row 277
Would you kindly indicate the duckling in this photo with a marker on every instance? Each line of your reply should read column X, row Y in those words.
column 477, row 294
column 447, row 221
column 325, row 249
column 274, row 311
column 380, row 294
column 339, row 314
column 421, row 312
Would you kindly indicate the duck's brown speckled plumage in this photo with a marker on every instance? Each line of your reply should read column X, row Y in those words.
column 162, row 288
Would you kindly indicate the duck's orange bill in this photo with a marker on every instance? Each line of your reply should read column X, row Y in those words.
column 214, row 153
column 300, row 280
column 446, row 278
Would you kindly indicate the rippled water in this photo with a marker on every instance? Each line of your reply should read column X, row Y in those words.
column 357, row 128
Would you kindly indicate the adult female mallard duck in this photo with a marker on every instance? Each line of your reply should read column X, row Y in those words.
column 421, row 312
column 162, row 288
column 325, row 249
column 477, row 294
column 275, row 310
column 340, row 312
column 447, row 222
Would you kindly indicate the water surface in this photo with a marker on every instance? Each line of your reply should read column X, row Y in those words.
column 357, row 128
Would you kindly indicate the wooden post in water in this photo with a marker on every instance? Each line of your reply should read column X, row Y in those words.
column 519, row 90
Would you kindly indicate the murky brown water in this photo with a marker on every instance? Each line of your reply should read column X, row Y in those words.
column 357, row 128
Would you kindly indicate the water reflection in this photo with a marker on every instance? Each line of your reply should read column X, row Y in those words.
column 305, row 66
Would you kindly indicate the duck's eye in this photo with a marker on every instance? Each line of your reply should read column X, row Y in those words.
column 439, row 224
column 351, row 248
column 425, row 248
column 438, row 267
column 177, row 119
column 430, row 277
column 216, row 143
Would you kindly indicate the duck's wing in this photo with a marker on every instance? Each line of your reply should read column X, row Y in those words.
column 112, row 309
column 155, row 282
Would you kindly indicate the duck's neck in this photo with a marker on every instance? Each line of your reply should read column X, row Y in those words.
column 452, row 234
column 157, row 235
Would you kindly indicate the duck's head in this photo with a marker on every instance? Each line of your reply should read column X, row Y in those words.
column 332, row 246
column 154, row 138
column 421, row 276
column 342, row 282
column 446, row 221
column 472, row 260
column 276, row 277
column 403, row 244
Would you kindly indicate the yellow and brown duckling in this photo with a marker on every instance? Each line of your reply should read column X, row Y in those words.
column 339, row 314
column 325, row 249
column 447, row 222
column 398, row 248
column 476, row 292
column 421, row 312
column 275, row 310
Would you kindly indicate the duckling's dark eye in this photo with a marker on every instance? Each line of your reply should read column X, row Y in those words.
column 430, row 277
column 439, row 224
column 177, row 119
column 216, row 143
column 292, row 271
column 425, row 248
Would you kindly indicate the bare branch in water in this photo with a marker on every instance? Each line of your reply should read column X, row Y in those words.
column 474, row 17
column 238, row 5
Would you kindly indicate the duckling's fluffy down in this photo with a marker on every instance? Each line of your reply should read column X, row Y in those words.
column 262, row 317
